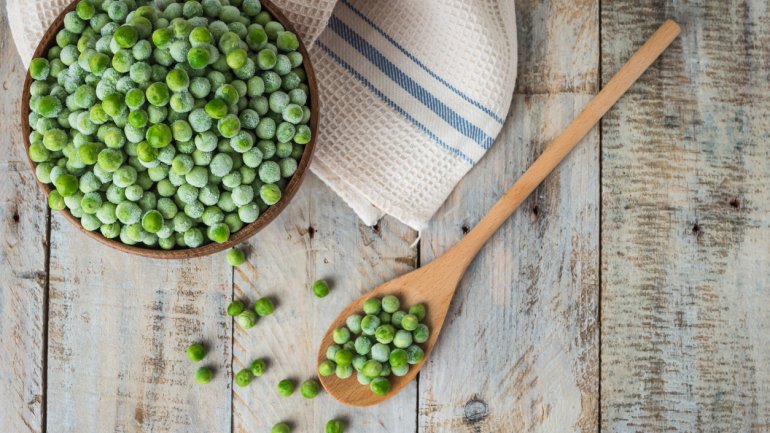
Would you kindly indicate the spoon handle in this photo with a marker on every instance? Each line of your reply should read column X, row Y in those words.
column 464, row 251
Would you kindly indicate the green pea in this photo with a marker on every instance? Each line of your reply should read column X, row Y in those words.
column 327, row 368
column 380, row 386
column 410, row 322
column 235, row 308
column 159, row 135
column 236, row 257
column 39, row 68
column 320, row 288
column 196, row 352
column 244, row 377
column 286, row 387
column 198, row 57
column 281, row 427
column 264, row 307
column 217, row 108
column 310, row 388
column 335, row 426
column 247, row 319
column 126, row 36
column 158, row 94
column 203, row 375
column 258, row 367
column 219, row 233
column 372, row 306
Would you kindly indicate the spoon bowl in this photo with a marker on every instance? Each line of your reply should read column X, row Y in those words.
column 421, row 286
column 434, row 284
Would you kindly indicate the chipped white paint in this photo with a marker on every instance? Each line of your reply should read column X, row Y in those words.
column 118, row 329
column 685, row 258
column 519, row 351
column 23, row 219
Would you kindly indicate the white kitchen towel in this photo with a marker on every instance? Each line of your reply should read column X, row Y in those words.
column 413, row 92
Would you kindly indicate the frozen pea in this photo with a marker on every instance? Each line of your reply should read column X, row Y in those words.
column 288, row 167
column 242, row 142
column 193, row 238
column 252, row 157
column 221, row 164
column 158, row 94
column 248, row 213
column 302, row 135
column 229, row 125
column 270, row 193
column 219, row 232
column 217, row 108
column 177, row 80
column 285, row 132
column 128, row 212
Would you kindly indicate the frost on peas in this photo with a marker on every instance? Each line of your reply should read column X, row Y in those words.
column 285, row 132
column 200, row 120
column 248, row 213
column 282, row 65
column 182, row 102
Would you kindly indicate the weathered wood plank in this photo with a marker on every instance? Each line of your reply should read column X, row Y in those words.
column 520, row 349
column 685, row 233
column 317, row 236
column 119, row 326
column 23, row 245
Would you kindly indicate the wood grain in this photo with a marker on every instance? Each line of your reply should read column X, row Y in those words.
column 119, row 326
column 519, row 351
column 685, row 234
column 317, row 236
column 23, row 245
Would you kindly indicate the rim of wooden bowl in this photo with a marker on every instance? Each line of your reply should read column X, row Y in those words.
column 49, row 39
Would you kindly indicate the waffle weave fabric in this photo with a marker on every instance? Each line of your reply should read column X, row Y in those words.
column 413, row 93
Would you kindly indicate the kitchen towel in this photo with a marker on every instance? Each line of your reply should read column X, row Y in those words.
column 413, row 92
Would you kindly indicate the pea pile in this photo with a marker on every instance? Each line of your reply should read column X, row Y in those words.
column 383, row 342
column 168, row 124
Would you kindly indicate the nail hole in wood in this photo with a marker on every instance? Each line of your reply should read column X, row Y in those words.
column 735, row 203
column 311, row 231
column 475, row 411
column 535, row 210
column 376, row 227
column 15, row 217
column 696, row 229
column 465, row 229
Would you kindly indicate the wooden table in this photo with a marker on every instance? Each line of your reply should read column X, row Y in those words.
column 630, row 293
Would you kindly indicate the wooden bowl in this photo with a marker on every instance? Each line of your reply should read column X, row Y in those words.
column 49, row 40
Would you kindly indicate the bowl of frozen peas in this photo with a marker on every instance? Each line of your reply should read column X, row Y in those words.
column 170, row 129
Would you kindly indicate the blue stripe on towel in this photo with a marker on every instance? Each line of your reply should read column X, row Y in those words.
column 412, row 57
column 393, row 105
column 407, row 83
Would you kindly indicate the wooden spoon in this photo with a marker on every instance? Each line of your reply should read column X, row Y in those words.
column 435, row 283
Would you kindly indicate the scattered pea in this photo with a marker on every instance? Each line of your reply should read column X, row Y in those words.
column 196, row 352
column 246, row 319
column 286, row 387
column 236, row 257
column 258, row 367
column 335, row 426
column 310, row 388
column 281, row 427
column 235, row 308
column 321, row 288
column 264, row 307
column 204, row 375
column 243, row 377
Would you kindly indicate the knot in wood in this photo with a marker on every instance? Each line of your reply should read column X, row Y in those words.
column 476, row 410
